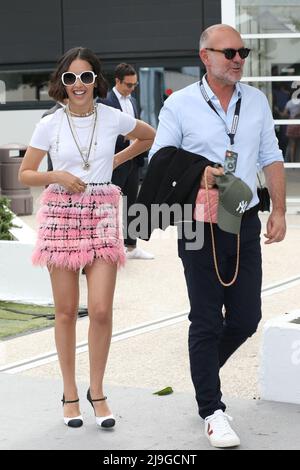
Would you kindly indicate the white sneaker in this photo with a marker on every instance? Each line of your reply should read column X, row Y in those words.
column 219, row 432
column 138, row 253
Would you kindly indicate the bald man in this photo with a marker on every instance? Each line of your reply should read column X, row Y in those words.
column 230, row 124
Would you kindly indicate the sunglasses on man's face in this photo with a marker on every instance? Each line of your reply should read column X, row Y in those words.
column 70, row 78
column 230, row 53
column 131, row 85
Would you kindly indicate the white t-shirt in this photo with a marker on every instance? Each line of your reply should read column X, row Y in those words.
column 293, row 107
column 53, row 135
column 125, row 103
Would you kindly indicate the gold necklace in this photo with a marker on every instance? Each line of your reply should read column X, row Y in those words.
column 84, row 155
column 83, row 114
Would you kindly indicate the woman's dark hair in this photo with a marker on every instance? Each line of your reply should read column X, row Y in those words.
column 122, row 70
column 56, row 88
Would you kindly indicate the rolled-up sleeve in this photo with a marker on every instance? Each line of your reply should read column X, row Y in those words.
column 169, row 131
column 269, row 151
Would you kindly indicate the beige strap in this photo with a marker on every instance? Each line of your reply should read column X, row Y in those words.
column 224, row 284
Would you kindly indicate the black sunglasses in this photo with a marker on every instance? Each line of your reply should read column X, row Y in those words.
column 231, row 53
column 131, row 85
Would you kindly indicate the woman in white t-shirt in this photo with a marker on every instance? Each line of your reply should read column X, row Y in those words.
column 79, row 223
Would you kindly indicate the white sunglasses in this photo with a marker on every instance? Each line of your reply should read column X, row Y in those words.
column 70, row 78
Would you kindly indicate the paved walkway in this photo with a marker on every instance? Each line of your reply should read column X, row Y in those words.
column 144, row 421
column 148, row 353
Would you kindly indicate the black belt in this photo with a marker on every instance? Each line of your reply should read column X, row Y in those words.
column 252, row 211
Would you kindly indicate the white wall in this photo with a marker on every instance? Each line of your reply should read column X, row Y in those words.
column 19, row 280
column 18, row 126
column 280, row 359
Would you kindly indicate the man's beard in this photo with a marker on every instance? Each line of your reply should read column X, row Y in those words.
column 228, row 78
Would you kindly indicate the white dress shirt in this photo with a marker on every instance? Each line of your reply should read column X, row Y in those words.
column 186, row 121
column 125, row 103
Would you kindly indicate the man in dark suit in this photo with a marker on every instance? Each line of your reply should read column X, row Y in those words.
column 126, row 176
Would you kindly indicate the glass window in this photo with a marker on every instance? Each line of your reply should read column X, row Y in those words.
column 2, row 92
column 283, row 97
column 284, row 100
column 157, row 83
column 292, row 182
column 25, row 85
column 268, row 16
column 273, row 57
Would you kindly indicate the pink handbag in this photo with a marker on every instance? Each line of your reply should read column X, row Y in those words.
column 201, row 212
column 206, row 210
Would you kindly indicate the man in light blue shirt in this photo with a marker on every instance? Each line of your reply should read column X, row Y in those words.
column 200, row 119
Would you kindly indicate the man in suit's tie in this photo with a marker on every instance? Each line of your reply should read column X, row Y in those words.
column 126, row 176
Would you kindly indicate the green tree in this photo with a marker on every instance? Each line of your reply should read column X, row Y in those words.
column 6, row 217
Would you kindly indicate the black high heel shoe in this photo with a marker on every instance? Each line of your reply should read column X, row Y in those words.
column 76, row 422
column 105, row 422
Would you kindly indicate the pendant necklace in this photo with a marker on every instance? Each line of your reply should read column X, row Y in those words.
column 84, row 153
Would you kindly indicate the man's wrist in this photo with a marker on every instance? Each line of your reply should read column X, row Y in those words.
column 279, row 210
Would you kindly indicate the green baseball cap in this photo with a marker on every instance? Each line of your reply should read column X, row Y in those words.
column 234, row 198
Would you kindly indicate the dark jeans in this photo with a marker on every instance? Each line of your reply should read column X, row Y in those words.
column 126, row 176
column 213, row 338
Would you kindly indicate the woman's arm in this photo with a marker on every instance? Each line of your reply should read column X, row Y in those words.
column 30, row 176
column 143, row 136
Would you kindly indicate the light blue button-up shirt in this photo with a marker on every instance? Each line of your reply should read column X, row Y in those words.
column 187, row 121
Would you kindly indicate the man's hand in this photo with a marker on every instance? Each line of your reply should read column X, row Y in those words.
column 276, row 227
column 211, row 174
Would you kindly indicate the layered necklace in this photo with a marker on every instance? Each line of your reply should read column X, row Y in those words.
column 83, row 114
column 84, row 151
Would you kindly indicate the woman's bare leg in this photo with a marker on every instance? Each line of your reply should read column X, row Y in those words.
column 65, row 286
column 101, row 279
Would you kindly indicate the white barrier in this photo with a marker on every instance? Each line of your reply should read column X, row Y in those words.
column 279, row 375
column 19, row 280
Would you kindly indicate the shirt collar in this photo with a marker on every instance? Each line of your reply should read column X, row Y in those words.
column 211, row 95
column 118, row 94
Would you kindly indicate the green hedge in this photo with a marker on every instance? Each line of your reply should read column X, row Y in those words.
column 6, row 218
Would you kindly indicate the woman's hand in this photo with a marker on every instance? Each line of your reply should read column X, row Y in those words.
column 142, row 137
column 70, row 182
column 30, row 176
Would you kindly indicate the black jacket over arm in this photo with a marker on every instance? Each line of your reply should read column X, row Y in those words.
column 173, row 177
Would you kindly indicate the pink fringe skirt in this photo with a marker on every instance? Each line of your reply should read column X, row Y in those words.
column 76, row 229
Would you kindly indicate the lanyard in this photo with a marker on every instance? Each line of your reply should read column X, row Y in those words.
column 231, row 134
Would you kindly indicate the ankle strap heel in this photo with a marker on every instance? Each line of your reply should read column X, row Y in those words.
column 76, row 422
column 64, row 401
column 104, row 422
